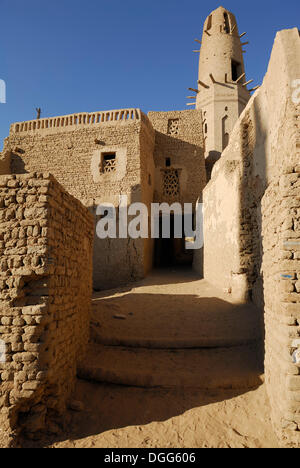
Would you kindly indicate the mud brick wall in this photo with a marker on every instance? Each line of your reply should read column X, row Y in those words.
column 5, row 161
column 251, row 224
column 179, row 137
column 46, row 240
column 262, row 145
column 70, row 148
column 281, row 273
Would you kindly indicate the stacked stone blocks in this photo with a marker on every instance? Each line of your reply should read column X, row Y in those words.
column 46, row 240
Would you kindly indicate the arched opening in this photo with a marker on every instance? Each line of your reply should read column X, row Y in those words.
column 225, row 132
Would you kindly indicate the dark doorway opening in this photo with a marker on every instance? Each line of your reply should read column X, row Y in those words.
column 172, row 252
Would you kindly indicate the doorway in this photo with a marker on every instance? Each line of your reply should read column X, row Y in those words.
column 171, row 251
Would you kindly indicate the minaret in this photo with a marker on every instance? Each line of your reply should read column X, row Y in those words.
column 222, row 87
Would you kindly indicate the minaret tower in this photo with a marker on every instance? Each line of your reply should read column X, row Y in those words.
column 222, row 86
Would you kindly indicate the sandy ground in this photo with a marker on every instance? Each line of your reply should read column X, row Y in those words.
column 172, row 309
column 127, row 417
column 115, row 416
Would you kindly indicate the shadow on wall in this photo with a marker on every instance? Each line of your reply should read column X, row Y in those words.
column 117, row 261
column 185, row 155
column 253, row 185
column 17, row 163
column 210, row 161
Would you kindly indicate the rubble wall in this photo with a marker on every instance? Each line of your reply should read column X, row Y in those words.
column 45, row 289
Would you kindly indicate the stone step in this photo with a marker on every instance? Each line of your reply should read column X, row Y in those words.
column 237, row 367
column 164, row 322
column 165, row 342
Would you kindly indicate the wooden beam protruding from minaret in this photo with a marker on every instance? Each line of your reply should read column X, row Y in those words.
column 254, row 89
column 242, row 35
column 196, row 51
column 197, row 40
column 240, row 78
column 191, row 103
column 203, row 84
column 245, row 43
column 193, row 89
column 248, row 82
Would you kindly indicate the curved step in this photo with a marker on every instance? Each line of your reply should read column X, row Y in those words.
column 237, row 367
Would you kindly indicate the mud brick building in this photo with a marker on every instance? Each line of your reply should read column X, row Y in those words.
column 237, row 153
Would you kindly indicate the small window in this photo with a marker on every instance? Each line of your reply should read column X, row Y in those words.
column 236, row 70
column 173, row 127
column 108, row 162
column 168, row 162
column 209, row 23
column 149, row 179
column 225, row 133
column 171, row 187
column 205, row 128
column 226, row 23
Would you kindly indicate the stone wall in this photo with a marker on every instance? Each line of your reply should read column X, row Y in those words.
column 45, row 289
column 252, row 223
column 71, row 148
column 5, row 162
column 281, row 273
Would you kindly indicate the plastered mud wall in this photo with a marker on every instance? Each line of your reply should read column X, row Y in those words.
column 179, row 138
column 46, row 240
column 179, row 152
column 252, row 223
column 71, row 148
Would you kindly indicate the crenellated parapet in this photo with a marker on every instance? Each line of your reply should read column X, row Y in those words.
column 79, row 120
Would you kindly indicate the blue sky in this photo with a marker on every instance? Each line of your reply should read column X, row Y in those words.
column 70, row 56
